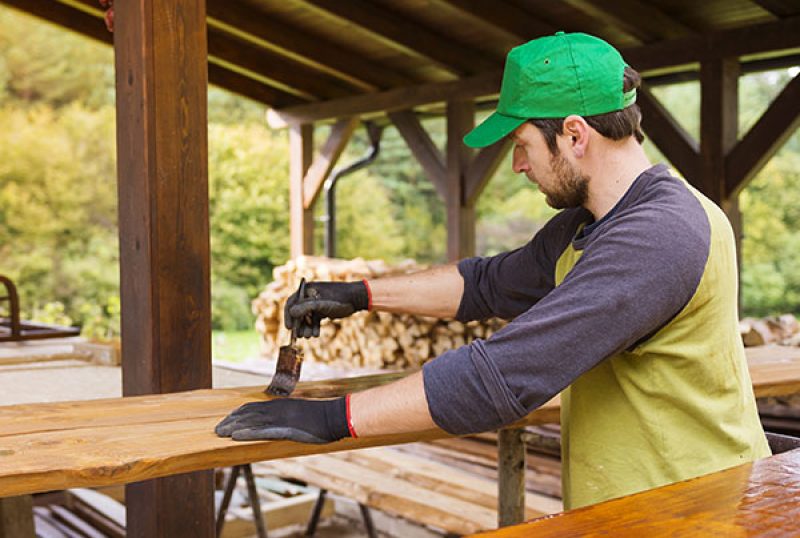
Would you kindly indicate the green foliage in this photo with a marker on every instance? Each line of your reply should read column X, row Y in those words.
column 58, row 207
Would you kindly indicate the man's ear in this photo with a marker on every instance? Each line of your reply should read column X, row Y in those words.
column 577, row 132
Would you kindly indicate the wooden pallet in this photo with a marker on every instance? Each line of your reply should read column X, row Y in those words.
column 404, row 484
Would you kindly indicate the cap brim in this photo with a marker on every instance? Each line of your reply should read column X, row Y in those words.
column 491, row 130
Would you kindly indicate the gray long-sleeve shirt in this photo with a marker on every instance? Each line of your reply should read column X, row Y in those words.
column 640, row 265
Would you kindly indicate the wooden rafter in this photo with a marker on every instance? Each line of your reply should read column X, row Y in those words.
column 761, row 142
column 669, row 136
column 396, row 30
column 423, row 148
column 397, row 99
column 314, row 51
column 780, row 8
column 640, row 19
column 324, row 162
column 770, row 36
column 247, row 87
column 510, row 18
column 483, row 167
column 289, row 75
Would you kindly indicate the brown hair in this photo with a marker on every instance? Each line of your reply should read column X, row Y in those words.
column 614, row 125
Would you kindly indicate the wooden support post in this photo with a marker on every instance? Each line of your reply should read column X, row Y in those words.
column 719, row 123
column 510, row 477
column 16, row 517
column 301, row 225
column 162, row 166
column 460, row 214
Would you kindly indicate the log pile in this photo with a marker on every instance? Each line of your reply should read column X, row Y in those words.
column 366, row 339
column 783, row 330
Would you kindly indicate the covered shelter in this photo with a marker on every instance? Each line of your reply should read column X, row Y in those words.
column 341, row 62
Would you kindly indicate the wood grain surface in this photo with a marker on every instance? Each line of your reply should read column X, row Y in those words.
column 53, row 446
column 754, row 499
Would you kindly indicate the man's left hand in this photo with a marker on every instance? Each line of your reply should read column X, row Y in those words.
column 305, row 421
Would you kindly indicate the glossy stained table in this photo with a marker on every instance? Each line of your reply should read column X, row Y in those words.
column 755, row 499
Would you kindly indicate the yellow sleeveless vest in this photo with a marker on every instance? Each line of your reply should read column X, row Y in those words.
column 679, row 405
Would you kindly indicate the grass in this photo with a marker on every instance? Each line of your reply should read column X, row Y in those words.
column 234, row 346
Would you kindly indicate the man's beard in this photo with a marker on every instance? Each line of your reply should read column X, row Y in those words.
column 571, row 188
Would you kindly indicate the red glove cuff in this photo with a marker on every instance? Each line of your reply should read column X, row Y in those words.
column 369, row 294
column 350, row 426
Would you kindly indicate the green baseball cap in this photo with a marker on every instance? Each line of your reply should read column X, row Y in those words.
column 553, row 77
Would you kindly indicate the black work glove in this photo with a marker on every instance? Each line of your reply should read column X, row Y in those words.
column 323, row 300
column 305, row 421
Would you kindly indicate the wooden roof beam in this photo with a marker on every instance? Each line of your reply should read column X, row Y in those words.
column 766, row 137
column 288, row 75
column 669, row 136
column 326, row 159
column 642, row 20
column 770, row 36
column 388, row 101
column 89, row 23
column 399, row 32
column 780, row 8
column 423, row 148
column 510, row 18
column 315, row 51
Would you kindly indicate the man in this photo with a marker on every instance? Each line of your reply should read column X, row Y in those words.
column 626, row 301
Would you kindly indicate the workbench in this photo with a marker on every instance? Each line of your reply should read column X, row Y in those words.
column 753, row 499
column 54, row 446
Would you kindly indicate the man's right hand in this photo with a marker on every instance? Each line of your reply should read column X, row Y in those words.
column 322, row 300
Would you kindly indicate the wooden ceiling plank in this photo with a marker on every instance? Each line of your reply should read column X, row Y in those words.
column 483, row 167
column 672, row 140
column 769, row 133
column 423, row 148
column 642, row 20
column 310, row 49
column 89, row 26
column 780, row 8
column 327, row 158
column 396, row 30
column 295, row 77
column 388, row 101
column 63, row 15
column 770, row 36
column 248, row 87
column 509, row 18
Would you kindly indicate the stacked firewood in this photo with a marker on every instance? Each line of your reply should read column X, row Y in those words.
column 365, row 339
column 783, row 330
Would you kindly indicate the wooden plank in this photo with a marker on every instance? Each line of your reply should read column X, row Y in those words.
column 312, row 50
column 52, row 446
column 764, row 139
column 672, row 140
column 290, row 76
column 277, row 514
column 512, row 19
column 642, row 20
column 75, row 523
column 16, row 517
column 422, row 147
column 754, row 499
column 460, row 215
column 751, row 39
column 301, row 219
column 483, row 167
column 396, row 30
column 395, row 497
column 397, row 99
column 445, row 479
column 780, row 8
column 327, row 158
column 248, row 87
column 162, row 164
